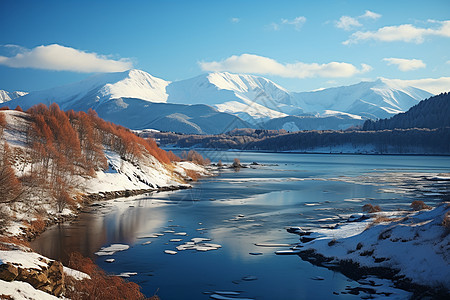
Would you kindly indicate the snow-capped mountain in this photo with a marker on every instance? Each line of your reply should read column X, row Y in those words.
column 382, row 98
column 247, row 96
column 100, row 88
column 134, row 99
column 139, row 100
column 7, row 96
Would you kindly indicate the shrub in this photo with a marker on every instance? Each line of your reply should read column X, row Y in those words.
column 192, row 174
column 369, row 208
column 8, row 242
column 236, row 163
column 37, row 225
column 446, row 220
column 100, row 285
column 419, row 205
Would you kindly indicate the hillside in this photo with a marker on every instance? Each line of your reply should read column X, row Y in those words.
column 51, row 160
column 433, row 112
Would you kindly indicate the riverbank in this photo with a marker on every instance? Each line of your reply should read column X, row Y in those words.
column 409, row 248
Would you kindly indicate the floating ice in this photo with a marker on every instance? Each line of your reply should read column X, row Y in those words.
column 272, row 245
column 180, row 233
column 127, row 274
column 146, row 243
column 198, row 240
column 175, row 240
column 110, row 260
column 317, row 278
column 287, row 252
column 197, row 244
column 249, row 278
column 170, row 252
column 112, row 249
column 221, row 297
column 227, row 293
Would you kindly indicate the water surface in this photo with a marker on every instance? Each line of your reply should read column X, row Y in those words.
column 239, row 209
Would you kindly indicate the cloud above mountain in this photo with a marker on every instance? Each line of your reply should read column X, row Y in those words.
column 255, row 64
column 61, row 58
column 402, row 33
column 405, row 64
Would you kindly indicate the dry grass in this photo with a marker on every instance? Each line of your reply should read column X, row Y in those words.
column 100, row 286
column 446, row 220
column 5, row 240
column 369, row 208
column 37, row 225
column 419, row 205
column 192, row 174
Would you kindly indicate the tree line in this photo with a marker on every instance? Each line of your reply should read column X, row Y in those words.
column 433, row 112
column 60, row 149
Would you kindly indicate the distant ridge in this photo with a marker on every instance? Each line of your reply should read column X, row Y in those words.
column 128, row 98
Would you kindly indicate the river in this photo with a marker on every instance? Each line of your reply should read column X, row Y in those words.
column 237, row 209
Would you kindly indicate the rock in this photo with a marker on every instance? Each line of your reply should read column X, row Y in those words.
column 56, row 278
column 35, row 278
column 8, row 272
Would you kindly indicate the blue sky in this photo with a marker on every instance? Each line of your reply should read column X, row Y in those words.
column 301, row 45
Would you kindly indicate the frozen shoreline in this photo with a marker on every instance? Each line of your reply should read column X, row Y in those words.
column 409, row 248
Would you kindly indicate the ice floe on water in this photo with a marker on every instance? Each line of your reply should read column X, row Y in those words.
column 110, row 260
column 170, row 252
column 287, row 252
column 175, row 240
column 110, row 250
column 249, row 278
column 272, row 245
column 127, row 274
column 222, row 297
column 180, row 233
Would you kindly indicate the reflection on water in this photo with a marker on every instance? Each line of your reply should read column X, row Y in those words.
column 237, row 210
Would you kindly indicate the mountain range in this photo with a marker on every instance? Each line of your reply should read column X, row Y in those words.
column 218, row 102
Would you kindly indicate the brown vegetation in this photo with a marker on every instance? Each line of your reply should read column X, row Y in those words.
column 446, row 221
column 419, row 205
column 195, row 157
column 61, row 147
column 8, row 242
column 369, row 208
column 100, row 285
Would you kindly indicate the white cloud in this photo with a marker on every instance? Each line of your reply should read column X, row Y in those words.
column 405, row 64
column 432, row 85
column 60, row 58
column 297, row 23
column 347, row 23
column 370, row 15
column 350, row 23
column 255, row 64
column 235, row 20
column 405, row 33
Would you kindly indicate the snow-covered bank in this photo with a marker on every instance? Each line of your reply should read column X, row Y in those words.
column 28, row 275
column 121, row 175
column 412, row 248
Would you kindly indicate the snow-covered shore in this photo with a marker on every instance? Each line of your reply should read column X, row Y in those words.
column 411, row 248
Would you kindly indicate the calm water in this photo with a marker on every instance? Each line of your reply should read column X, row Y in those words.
column 287, row 190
